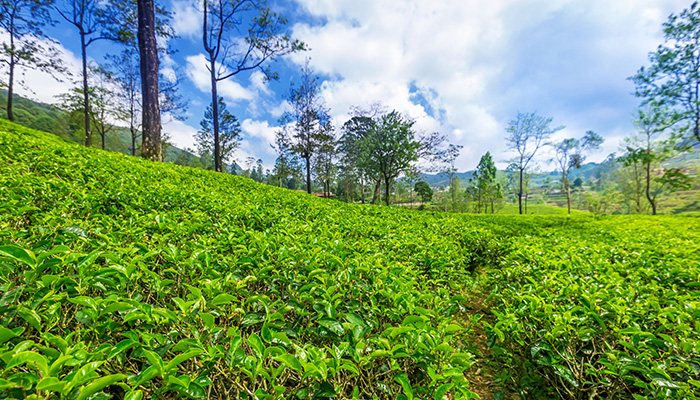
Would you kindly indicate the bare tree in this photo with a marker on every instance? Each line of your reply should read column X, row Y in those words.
column 228, row 55
column 527, row 134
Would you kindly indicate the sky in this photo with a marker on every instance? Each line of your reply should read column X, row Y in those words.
column 464, row 68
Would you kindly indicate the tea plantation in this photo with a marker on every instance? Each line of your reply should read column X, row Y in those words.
column 128, row 279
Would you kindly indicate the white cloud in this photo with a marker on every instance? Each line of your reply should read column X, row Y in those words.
column 259, row 129
column 466, row 67
column 182, row 135
column 187, row 19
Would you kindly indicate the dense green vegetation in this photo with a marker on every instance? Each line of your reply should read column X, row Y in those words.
column 127, row 278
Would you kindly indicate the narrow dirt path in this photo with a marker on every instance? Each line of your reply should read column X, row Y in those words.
column 480, row 376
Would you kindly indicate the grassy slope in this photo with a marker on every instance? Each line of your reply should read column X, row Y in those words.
column 276, row 293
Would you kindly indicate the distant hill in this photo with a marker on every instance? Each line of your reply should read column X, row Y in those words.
column 49, row 118
column 588, row 171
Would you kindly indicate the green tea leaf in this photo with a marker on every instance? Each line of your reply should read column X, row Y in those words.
column 18, row 254
column 290, row 361
column 99, row 384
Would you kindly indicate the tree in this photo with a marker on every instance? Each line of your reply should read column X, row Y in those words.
column 324, row 167
column 484, row 185
column 286, row 164
column 651, row 147
column 390, row 149
column 569, row 155
column 307, row 126
column 229, row 132
column 27, row 45
column 126, row 71
column 125, row 67
column 88, row 17
column 527, row 134
column 103, row 106
column 228, row 56
column 673, row 78
column 424, row 191
column 351, row 161
column 631, row 181
column 448, row 157
column 152, row 147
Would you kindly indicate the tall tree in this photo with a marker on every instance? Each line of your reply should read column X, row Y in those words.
column 653, row 145
column 309, row 123
column 673, row 77
column 88, row 17
column 125, row 67
column 152, row 147
column 228, row 55
column 569, row 155
column 128, row 79
column 485, row 187
column 229, row 132
column 528, row 133
column 26, row 45
column 391, row 149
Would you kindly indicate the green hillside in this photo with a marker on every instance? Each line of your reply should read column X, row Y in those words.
column 128, row 279
column 49, row 118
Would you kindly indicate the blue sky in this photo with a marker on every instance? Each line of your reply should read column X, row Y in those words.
column 461, row 67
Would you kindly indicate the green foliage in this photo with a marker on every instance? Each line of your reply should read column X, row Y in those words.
column 601, row 308
column 229, row 132
column 672, row 77
column 390, row 149
column 483, row 186
column 424, row 191
column 137, row 279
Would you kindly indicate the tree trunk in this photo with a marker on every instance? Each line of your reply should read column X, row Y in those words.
column 377, row 186
column 151, row 146
column 308, row 174
column 387, row 187
column 520, row 194
column 362, row 190
column 347, row 191
column 215, row 113
column 11, row 82
column 86, row 97
column 10, row 87
column 651, row 200
column 133, row 139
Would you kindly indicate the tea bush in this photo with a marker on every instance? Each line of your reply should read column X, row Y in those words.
column 123, row 278
column 132, row 279
column 606, row 308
